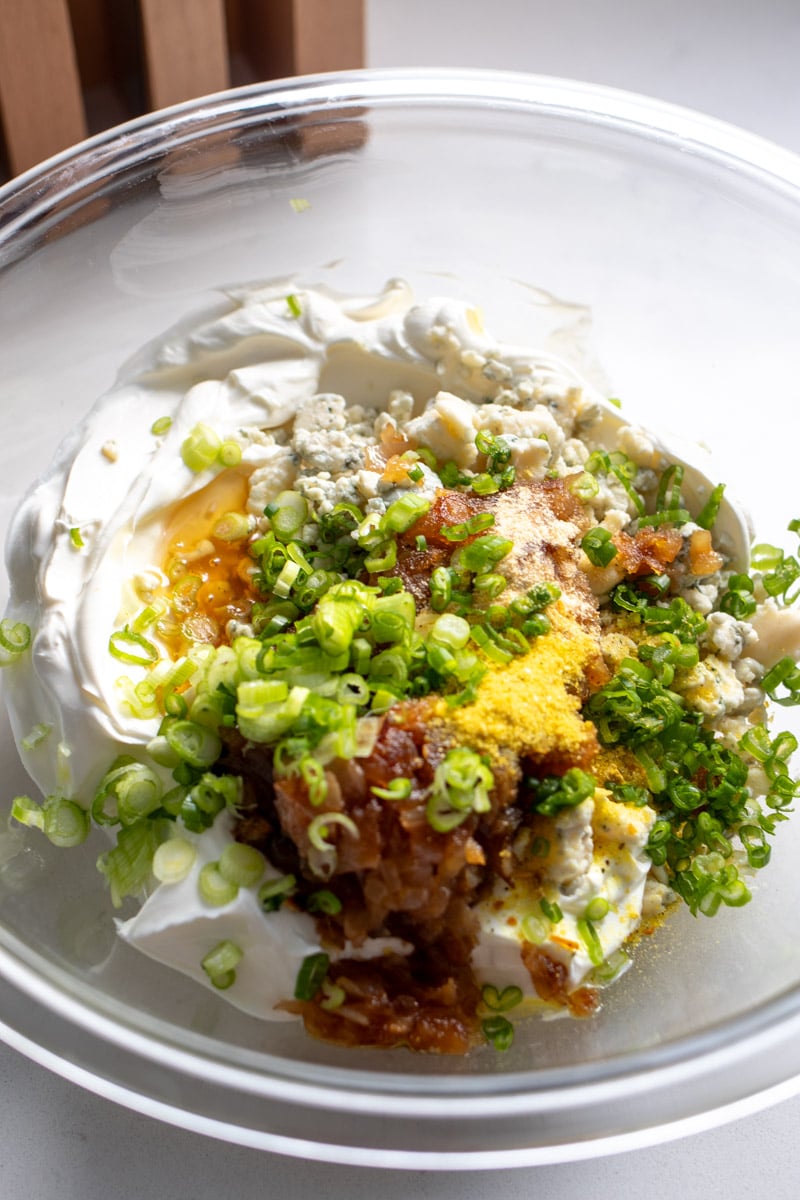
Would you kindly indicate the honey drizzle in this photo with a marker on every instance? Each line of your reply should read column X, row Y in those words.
column 210, row 578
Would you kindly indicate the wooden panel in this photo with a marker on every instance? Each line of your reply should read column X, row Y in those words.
column 185, row 49
column 300, row 37
column 40, row 92
column 327, row 37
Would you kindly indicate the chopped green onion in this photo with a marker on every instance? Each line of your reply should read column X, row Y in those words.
column 498, row 1001
column 499, row 1032
column 598, row 547
column 272, row 894
column 334, row 996
column 325, row 902
column 396, row 789
column 128, row 866
column 241, row 865
column 460, row 532
column 597, row 908
column 319, row 827
column 352, row 689
column 27, row 812
column 486, row 550
column 336, row 621
column 551, row 910
column 490, row 585
column 15, row 637
column 496, row 449
column 710, row 510
column 36, row 736
column 214, row 888
column 173, row 860
column 485, row 484
column 160, row 426
column 312, row 972
column 76, row 538
column 134, row 790
column 612, row 967
column 535, row 928
column 785, row 674
column 405, row 512
column 482, row 638
column 288, row 514
column 451, row 631
column 739, row 600
column 588, row 935
column 441, row 587
column 201, row 448
column 292, row 303
column 584, row 485
column 314, row 777
column 206, row 798
column 668, row 496
column 232, row 527
column 461, row 785
column 133, row 648
column 220, row 964
column 230, row 453
column 566, row 791
column 62, row 821
column 194, row 744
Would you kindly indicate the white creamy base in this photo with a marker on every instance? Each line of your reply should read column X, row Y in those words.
column 177, row 927
column 251, row 367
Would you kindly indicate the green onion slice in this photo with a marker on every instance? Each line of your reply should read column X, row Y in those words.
column 214, row 888
column 173, row 860
column 396, row 789
column 588, row 935
column 36, row 736
column 499, row 1032
column 501, row 1001
column 15, row 638
column 324, row 901
column 194, row 744
column 220, row 964
column 598, row 547
column 272, row 894
column 597, row 908
column 201, row 448
column 241, row 865
column 319, row 827
column 334, row 996
column 133, row 648
column 312, row 972
column 230, row 453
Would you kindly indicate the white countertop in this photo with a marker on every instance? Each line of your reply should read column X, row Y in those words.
column 732, row 59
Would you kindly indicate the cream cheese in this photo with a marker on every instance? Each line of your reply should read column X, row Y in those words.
column 246, row 372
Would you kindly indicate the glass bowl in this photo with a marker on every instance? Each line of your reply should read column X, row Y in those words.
column 677, row 240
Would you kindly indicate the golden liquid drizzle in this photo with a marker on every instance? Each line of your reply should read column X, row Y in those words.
column 210, row 577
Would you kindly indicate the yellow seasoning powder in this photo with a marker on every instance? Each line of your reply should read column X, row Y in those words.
column 531, row 707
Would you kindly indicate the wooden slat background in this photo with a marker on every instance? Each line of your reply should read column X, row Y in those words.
column 73, row 67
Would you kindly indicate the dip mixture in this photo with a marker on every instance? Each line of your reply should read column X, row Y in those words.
column 407, row 679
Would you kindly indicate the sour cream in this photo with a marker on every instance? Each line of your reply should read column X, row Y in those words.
column 93, row 527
